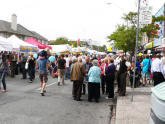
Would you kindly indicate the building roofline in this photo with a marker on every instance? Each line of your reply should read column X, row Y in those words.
column 160, row 9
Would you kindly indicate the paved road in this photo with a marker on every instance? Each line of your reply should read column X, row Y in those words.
column 22, row 104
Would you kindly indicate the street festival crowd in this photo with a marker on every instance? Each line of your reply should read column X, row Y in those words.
column 87, row 72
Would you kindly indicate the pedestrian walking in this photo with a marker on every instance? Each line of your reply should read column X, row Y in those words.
column 13, row 63
column 67, row 74
column 23, row 62
column 42, row 64
column 122, row 75
column 103, row 77
column 110, row 77
column 77, row 76
column 157, row 70
column 3, row 70
column 146, row 69
column 94, row 82
column 61, row 69
column 117, row 64
column 87, row 66
column 31, row 67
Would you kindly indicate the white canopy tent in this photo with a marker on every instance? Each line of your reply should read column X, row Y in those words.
column 5, row 45
column 18, row 43
column 60, row 48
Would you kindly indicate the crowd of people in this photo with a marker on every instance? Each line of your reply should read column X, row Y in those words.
column 93, row 73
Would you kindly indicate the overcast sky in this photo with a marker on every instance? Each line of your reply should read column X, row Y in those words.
column 84, row 19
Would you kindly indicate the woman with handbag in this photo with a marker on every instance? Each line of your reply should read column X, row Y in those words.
column 31, row 67
column 4, row 69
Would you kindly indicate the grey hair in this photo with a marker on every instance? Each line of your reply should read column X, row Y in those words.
column 79, row 59
column 74, row 60
column 95, row 62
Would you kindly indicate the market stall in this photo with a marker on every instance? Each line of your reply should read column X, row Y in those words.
column 5, row 45
column 61, row 49
column 20, row 45
column 34, row 42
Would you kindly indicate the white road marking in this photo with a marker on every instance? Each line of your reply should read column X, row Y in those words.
column 47, row 85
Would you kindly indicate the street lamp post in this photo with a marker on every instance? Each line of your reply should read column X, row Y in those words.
column 137, row 39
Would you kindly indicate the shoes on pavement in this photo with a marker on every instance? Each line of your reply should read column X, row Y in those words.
column 96, row 100
column 121, row 94
column 83, row 93
column 30, row 81
column 3, row 91
column 79, row 99
column 42, row 94
column 23, row 78
column 108, row 98
column 58, row 84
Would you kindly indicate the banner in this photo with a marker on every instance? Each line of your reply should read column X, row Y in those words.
column 28, row 49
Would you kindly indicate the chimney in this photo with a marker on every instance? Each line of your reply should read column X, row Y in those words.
column 14, row 22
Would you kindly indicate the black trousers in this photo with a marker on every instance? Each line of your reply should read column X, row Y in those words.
column 118, row 80
column 83, row 88
column 13, row 68
column 93, row 91
column 158, row 78
column 123, row 84
column 77, row 89
column 31, row 73
column 103, row 84
column 24, row 73
column 110, row 85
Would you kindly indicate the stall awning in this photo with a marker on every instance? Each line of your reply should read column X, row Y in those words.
column 160, row 48
column 149, row 45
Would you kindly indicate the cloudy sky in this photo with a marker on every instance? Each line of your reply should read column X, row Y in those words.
column 84, row 19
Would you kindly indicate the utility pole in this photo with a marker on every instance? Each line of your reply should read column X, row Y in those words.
column 137, row 39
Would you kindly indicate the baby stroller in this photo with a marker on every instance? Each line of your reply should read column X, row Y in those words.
column 137, row 78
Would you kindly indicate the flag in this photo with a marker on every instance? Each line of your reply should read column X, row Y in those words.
column 78, row 42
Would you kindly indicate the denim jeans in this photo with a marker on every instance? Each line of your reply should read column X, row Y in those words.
column 3, row 79
column 67, row 74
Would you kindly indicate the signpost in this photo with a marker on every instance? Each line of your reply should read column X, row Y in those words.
column 145, row 16
column 137, row 39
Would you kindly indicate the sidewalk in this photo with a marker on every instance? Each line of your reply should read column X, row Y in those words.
column 136, row 112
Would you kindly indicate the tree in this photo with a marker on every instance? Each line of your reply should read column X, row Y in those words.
column 124, row 38
column 131, row 18
column 60, row 40
column 152, row 29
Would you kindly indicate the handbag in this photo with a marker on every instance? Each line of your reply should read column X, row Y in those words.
column 26, row 65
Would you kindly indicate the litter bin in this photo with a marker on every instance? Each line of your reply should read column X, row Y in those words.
column 157, row 115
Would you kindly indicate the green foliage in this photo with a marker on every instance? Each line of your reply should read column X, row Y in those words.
column 63, row 40
column 60, row 40
column 158, row 19
column 152, row 29
column 131, row 18
column 124, row 38
column 99, row 48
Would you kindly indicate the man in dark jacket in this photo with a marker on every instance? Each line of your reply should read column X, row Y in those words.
column 23, row 62
column 122, row 76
